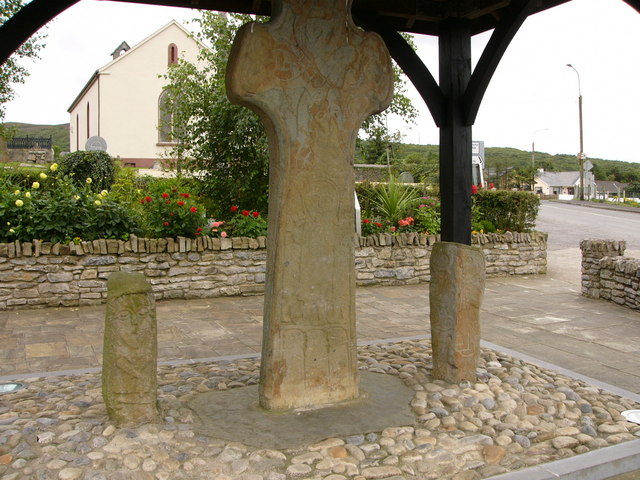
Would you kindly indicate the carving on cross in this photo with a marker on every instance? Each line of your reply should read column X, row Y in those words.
column 313, row 77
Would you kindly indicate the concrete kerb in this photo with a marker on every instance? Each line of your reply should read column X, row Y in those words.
column 596, row 465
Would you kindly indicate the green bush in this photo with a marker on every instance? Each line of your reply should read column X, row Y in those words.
column 506, row 210
column 246, row 223
column 171, row 214
column 95, row 168
column 55, row 209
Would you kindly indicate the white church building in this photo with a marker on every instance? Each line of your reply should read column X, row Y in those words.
column 122, row 101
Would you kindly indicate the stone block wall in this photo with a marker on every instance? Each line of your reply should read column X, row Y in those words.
column 608, row 275
column 40, row 274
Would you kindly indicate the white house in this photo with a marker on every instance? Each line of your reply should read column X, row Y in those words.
column 122, row 101
column 564, row 184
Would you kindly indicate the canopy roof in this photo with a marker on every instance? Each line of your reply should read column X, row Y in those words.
column 414, row 16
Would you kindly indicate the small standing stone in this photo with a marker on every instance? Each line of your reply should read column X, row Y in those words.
column 130, row 356
column 455, row 294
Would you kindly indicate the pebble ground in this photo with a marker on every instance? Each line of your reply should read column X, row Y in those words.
column 516, row 415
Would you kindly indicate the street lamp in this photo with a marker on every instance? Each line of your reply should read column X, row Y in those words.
column 581, row 154
column 533, row 154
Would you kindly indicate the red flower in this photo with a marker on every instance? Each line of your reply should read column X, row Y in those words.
column 142, row 201
column 474, row 189
column 234, row 209
column 199, row 229
column 181, row 203
column 185, row 195
column 148, row 199
column 245, row 213
column 165, row 195
column 193, row 209
column 166, row 224
column 378, row 224
column 366, row 220
column 255, row 214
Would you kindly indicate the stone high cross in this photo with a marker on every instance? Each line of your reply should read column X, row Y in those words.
column 313, row 77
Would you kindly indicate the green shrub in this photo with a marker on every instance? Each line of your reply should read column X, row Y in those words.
column 172, row 214
column 246, row 223
column 55, row 209
column 393, row 200
column 507, row 210
column 95, row 168
column 427, row 216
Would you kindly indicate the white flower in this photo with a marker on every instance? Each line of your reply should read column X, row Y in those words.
column 43, row 175
column 98, row 203
column 28, row 194
column 17, row 192
column 35, row 185
column 89, row 180
column 19, row 203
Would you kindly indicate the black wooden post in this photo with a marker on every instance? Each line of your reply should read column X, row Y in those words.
column 455, row 134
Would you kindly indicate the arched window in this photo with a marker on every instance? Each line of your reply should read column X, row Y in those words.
column 77, row 131
column 173, row 54
column 166, row 107
column 88, row 121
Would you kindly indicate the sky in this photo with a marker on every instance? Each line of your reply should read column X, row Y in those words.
column 532, row 98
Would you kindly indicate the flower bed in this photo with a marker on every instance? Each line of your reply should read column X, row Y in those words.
column 42, row 274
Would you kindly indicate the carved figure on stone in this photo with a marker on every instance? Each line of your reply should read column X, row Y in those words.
column 455, row 296
column 130, row 354
column 313, row 77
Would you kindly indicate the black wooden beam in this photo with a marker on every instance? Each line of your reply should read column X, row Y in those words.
column 634, row 4
column 27, row 21
column 409, row 61
column 491, row 56
column 455, row 134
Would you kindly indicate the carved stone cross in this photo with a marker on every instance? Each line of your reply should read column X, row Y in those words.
column 313, row 77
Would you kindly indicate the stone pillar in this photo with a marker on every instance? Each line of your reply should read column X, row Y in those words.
column 130, row 356
column 313, row 77
column 592, row 252
column 455, row 297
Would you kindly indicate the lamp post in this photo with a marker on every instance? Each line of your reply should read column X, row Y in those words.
column 533, row 155
column 581, row 154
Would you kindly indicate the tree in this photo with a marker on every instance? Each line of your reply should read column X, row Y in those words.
column 12, row 71
column 227, row 143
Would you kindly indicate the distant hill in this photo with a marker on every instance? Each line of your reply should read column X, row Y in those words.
column 59, row 133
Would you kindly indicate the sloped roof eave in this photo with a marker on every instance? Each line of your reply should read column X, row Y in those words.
column 89, row 84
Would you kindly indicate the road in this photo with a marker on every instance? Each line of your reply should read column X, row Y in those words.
column 568, row 224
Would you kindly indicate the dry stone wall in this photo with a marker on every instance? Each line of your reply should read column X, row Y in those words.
column 608, row 275
column 40, row 274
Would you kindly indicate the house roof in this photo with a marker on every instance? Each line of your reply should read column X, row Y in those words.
column 609, row 186
column 558, row 179
column 126, row 54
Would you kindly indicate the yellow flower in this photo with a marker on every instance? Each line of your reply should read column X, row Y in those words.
column 98, row 203
column 28, row 194
column 17, row 192
column 19, row 203
column 53, row 167
column 89, row 180
column 11, row 230
column 43, row 175
column 35, row 185
column 8, row 223
column 76, row 197
column 104, row 193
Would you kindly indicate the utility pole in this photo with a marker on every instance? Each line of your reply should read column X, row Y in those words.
column 581, row 155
